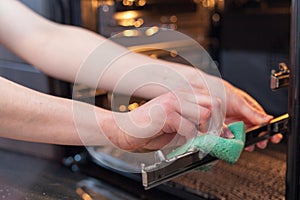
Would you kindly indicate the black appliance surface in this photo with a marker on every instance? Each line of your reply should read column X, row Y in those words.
column 26, row 177
column 254, row 40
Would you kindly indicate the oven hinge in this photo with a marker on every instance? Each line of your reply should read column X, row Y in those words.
column 280, row 78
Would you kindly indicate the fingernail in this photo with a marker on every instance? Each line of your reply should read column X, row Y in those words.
column 228, row 134
column 265, row 118
column 262, row 145
column 277, row 138
column 250, row 149
column 268, row 117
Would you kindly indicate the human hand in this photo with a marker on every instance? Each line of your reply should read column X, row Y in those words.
column 241, row 106
column 172, row 117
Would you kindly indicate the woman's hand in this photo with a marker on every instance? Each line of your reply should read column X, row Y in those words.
column 155, row 124
column 241, row 106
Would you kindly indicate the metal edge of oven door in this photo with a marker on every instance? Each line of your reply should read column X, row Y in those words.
column 293, row 151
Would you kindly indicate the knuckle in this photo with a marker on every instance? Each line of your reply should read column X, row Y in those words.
column 170, row 99
column 216, row 102
column 205, row 114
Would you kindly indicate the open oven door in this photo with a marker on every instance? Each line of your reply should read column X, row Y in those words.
column 293, row 154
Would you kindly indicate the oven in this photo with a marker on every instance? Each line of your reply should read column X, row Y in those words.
column 233, row 32
column 272, row 173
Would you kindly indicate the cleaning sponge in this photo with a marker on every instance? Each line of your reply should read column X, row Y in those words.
column 225, row 149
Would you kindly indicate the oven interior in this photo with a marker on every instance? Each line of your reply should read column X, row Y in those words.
column 246, row 39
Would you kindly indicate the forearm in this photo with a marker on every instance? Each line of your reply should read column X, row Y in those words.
column 55, row 49
column 60, row 51
column 32, row 116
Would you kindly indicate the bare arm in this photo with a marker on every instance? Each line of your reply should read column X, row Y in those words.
column 29, row 115
column 33, row 116
column 60, row 50
column 53, row 48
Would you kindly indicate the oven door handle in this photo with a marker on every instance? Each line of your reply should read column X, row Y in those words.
column 259, row 133
column 168, row 169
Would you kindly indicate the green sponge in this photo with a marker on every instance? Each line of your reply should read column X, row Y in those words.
column 225, row 149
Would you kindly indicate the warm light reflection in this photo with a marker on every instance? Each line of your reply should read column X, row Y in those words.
column 86, row 196
column 154, row 56
column 136, row 2
column 151, row 31
column 131, row 22
column 95, row 3
column 129, row 18
column 141, row 3
column 83, row 194
column 131, row 33
column 216, row 17
column 173, row 53
column 173, row 19
column 133, row 106
column 106, row 2
column 139, row 22
column 126, row 15
column 122, row 108
column 211, row 3
column 128, row 2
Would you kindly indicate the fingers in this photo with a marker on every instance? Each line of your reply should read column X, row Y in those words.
column 184, row 115
column 250, row 148
column 252, row 102
column 242, row 106
column 254, row 116
column 276, row 138
column 226, row 133
column 259, row 116
column 159, row 142
column 194, row 105
column 195, row 113
column 181, row 125
column 160, row 119
column 202, row 109
column 177, row 131
column 262, row 145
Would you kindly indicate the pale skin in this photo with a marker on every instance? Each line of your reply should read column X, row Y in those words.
column 59, row 51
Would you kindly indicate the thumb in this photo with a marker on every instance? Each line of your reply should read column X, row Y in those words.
column 226, row 133
column 255, row 116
